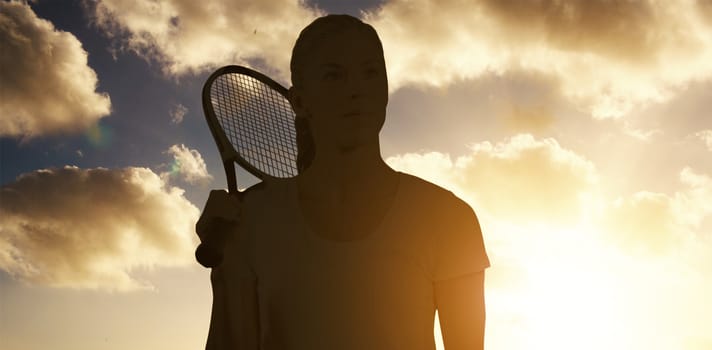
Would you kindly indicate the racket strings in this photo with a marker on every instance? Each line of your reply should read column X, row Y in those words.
column 258, row 121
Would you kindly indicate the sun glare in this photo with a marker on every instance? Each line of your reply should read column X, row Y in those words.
column 572, row 303
column 566, row 297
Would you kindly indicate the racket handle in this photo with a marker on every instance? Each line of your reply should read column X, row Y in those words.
column 210, row 252
column 208, row 255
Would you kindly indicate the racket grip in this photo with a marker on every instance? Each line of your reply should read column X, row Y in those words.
column 210, row 252
column 208, row 255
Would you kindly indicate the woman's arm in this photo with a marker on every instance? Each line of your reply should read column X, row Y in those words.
column 461, row 308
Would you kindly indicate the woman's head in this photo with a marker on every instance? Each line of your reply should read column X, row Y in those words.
column 339, row 84
column 315, row 33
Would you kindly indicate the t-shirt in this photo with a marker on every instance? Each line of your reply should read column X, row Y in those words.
column 286, row 288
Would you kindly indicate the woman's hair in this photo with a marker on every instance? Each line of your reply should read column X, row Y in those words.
column 307, row 41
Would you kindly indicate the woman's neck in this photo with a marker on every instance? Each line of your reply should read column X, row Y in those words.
column 346, row 196
column 352, row 173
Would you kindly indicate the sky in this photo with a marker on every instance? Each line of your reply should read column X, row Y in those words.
column 580, row 132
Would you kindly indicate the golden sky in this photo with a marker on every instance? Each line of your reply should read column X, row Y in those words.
column 580, row 131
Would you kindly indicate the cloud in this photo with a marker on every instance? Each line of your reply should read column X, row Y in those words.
column 586, row 45
column 557, row 242
column 661, row 223
column 185, row 36
column 493, row 106
column 177, row 113
column 609, row 57
column 521, row 179
column 189, row 165
column 705, row 9
column 45, row 83
column 90, row 228
column 644, row 221
column 706, row 137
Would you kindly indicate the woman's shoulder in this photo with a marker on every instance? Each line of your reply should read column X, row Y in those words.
column 422, row 198
column 269, row 195
column 419, row 190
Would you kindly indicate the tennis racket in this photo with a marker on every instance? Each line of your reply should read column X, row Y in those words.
column 253, row 125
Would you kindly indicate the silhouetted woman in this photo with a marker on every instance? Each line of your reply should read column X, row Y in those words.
column 350, row 254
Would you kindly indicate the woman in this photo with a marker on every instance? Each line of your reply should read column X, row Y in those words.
column 350, row 254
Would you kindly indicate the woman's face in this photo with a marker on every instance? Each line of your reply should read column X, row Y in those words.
column 344, row 91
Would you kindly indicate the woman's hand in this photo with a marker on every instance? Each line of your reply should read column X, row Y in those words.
column 220, row 217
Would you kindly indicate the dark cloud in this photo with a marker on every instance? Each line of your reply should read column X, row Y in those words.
column 626, row 29
column 609, row 57
column 353, row 8
column 177, row 113
column 705, row 9
column 587, row 46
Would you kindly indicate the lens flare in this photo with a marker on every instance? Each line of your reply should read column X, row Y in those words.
column 99, row 136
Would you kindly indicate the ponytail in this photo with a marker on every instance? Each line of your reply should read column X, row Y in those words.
column 305, row 144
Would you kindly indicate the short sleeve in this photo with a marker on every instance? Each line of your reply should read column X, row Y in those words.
column 458, row 247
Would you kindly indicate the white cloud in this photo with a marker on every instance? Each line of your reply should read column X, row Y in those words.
column 90, row 228
column 177, row 113
column 187, row 36
column 660, row 223
column 45, row 82
column 644, row 222
column 521, row 179
column 188, row 164
column 706, row 137
column 694, row 203
column 524, row 181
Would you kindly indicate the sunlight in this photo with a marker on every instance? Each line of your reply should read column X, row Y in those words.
column 567, row 298
column 573, row 305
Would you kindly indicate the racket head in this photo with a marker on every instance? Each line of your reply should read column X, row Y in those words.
column 252, row 123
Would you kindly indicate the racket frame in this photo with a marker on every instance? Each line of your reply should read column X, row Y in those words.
column 228, row 154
